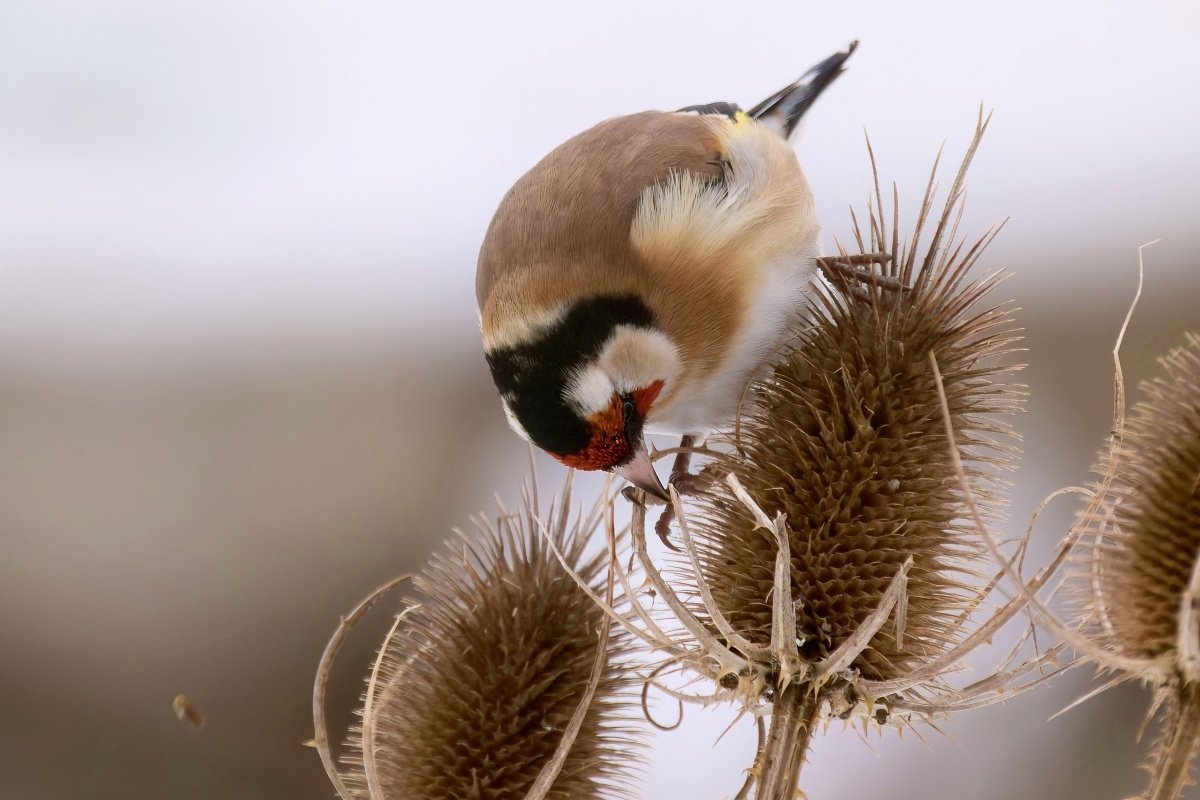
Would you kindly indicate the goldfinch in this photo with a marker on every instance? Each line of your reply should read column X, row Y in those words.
column 641, row 274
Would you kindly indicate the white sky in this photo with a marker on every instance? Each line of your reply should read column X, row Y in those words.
column 184, row 182
column 193, row 179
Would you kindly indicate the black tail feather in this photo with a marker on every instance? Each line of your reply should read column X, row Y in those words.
column 784, row 109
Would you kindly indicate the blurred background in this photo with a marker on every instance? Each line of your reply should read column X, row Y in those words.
column 240, row 381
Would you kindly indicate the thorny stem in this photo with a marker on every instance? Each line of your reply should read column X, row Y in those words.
column 1180, row 735
column 727, row 660
column 746, row 647
column 1188, row 637
column 793, row 720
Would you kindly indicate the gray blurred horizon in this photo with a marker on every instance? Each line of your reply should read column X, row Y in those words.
column 240, row 382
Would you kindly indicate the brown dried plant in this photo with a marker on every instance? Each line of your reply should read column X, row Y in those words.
column 835, row 561
column 829, row 568
column 501, row 680
column 1141, row 576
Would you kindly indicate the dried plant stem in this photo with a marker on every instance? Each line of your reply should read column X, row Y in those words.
column 1181, row 733
column 320, row 727
column 751, row 774
column 793, row 719
column 1188, row 636
column 374, row 786
column 746, row 647
column 727, row 660
column 550, row 772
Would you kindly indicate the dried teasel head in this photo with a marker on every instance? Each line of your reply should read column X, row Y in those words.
column 828, row 551
column 829, row 570
column 847, row 441
column 1148, row 520
column 833, row 539
column 502, row 679
column 1143, row 572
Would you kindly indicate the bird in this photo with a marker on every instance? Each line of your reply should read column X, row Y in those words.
column 643, row 273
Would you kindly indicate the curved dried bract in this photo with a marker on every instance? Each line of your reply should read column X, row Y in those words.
column 320, row 739
column 1142, row 576
column 494, row 662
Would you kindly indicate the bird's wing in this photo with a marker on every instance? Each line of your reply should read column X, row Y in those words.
column 721, row 109
column 563, row 230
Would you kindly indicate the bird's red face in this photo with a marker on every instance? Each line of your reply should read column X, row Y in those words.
column 616, row 431
column 581, row 387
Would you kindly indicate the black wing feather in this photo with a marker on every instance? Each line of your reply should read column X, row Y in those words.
column 730, row 110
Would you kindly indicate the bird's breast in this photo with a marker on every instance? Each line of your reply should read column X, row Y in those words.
column 705, row 400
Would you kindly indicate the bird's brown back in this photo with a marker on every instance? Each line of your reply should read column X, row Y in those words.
column 565, row 224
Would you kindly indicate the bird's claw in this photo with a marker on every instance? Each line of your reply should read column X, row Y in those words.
column 685, row 483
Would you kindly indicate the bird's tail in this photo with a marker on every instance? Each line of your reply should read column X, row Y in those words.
column 782, row 111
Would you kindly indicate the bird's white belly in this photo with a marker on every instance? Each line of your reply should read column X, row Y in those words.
column 714, row 404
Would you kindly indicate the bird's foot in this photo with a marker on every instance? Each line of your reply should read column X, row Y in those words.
column 684, row 483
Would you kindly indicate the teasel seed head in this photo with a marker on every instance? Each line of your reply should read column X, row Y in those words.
column 1142, row 573
column 846, row 439
column 1149, row 517
column 494, row 657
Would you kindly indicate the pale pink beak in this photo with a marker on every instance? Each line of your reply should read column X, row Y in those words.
column 640, row 472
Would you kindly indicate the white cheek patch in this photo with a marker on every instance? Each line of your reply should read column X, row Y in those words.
column 633, row 358
column 589, row 390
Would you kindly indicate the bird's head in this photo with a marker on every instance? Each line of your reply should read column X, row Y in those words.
column 581, row 384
